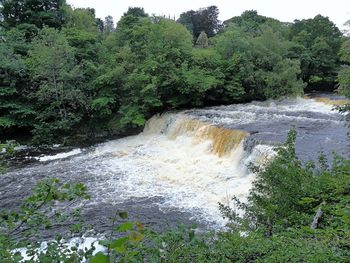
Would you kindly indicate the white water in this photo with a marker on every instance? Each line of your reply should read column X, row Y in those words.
column 58, row 156
column 173, row 158
column 186, row 162
column 181, row 162
column 181, row 169
column 82, row 244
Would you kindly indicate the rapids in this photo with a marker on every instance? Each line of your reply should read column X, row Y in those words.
column 184, row 163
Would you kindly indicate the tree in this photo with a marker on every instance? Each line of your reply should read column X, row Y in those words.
column 136, row 11
column 265, row 71
column 61, row 102
column 85, row 76
column 186, row 19
column 37, row 12
column 204, row 19
column 319, row 60
column 82, row 33
column 253, row 23
column 108, row 25
column 344, row 73
column 152, row 70
column 347, row 24
column 82, row 19
column 16, row 111
column 202, row 40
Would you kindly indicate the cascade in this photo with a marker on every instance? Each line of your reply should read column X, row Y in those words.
column 184, row 163
column 223, row 140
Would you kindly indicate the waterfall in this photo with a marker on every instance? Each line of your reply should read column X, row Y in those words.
column 191, row 164
column 223, row 140
column 184, row 163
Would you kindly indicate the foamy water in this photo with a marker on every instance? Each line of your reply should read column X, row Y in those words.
column 178, row 164
column 58, row 156
column 184, row 164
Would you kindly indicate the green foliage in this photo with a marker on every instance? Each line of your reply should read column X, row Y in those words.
column 279, row 188
column 265, row 71
column 202, row 40
column 204, row 19
column 20, row 228
column 178, row 246
column 7, row 150
column 321, row 41
column 136, row 11
column 108, row 25
column 39, row 13
column 253, row 23
column 15, row 108
column 344, row 74
column 147, row 69
column 286, row 195
column 66, row 74
column 62, row 102
column 125, row 242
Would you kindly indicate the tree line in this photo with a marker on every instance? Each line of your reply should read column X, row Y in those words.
column 67, row 76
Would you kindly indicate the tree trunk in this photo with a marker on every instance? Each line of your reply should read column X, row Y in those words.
column 317, row 218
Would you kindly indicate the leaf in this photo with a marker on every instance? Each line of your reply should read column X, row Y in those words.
column 135, row 237
column 119, row 244
column 6, row 122
column 123, row 215
column 130, row 255
column 126, row 226
column 99, row 258
column 104, row 243
column 120, row 249
column 306, row 200
column 140, row 226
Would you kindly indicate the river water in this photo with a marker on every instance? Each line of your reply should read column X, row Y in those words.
column 183, row 164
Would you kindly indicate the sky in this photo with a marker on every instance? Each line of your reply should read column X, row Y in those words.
column 287, row 11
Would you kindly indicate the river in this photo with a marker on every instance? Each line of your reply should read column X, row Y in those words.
column 184, row 163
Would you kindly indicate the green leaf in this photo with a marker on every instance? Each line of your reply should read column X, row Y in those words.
column 306, row 200
column 120, row 249
column 119, row 244
column 6, row 122
column 104, row 243
column 126, row 227
column 135, row 237
column 123, row 215
column 99, row 258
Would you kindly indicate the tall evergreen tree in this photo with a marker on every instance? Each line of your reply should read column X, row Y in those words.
column 202, row 40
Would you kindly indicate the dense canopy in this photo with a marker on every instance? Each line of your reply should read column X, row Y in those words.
column 67, row 76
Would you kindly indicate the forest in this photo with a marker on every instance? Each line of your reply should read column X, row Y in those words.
column 70, row 78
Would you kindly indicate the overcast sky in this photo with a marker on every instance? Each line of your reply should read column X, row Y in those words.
column 337, row 10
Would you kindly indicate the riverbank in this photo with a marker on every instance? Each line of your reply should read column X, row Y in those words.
column 27, row 154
